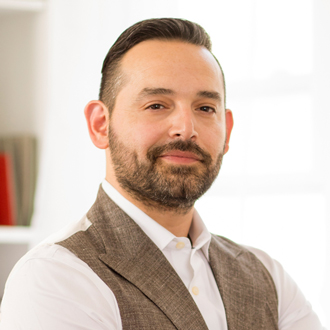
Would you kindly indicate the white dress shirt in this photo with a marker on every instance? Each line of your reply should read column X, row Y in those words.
column 50, row 288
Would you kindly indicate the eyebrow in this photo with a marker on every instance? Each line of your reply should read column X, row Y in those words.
column 165, row 91
column 210, row 95
column 154, row 91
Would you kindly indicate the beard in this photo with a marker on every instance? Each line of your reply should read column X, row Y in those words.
column 161, row 185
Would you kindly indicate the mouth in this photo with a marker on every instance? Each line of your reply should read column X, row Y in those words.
column 180, row 157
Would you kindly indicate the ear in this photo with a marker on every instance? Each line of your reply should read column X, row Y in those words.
column 97, row 115
column 229, row 127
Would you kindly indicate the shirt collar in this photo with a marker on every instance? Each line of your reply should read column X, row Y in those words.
column 198, row 232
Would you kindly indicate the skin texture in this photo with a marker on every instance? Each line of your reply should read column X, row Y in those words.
column 170, row 111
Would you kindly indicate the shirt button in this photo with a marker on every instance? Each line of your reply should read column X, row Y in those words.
column 180, row 245
column 195, row 290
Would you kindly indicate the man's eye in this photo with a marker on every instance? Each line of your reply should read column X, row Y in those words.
column 155, row 106
column 207, row 109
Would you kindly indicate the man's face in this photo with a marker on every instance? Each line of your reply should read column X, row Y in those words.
column 167, row 130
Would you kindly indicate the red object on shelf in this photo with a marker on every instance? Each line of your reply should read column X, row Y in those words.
column 7, row 197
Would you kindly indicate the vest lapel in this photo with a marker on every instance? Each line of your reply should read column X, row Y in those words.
column 131, row 253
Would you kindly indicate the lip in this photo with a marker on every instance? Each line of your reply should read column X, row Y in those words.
column 183, row 157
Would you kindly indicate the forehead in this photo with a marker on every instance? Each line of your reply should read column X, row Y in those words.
column 174, row 63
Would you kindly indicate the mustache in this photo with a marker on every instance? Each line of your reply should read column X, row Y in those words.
column 180, row 145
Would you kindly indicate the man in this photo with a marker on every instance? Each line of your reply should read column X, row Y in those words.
column 142, row 258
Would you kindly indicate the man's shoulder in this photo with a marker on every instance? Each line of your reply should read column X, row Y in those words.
column 228, row 245
column 250, row 259
column 44, row 258
column 48, row 251
column 49, row 283
column 236, row 249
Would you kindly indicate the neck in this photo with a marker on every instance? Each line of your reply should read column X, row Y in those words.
column 178, row 223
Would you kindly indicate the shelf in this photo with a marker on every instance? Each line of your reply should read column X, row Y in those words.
column 16, row 235
column 21, row 5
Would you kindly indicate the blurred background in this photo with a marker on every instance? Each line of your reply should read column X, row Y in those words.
column 273, row 191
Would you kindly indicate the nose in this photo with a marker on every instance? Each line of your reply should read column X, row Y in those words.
column 183, row 124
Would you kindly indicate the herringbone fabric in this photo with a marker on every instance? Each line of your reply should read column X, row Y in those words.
column 149, row 292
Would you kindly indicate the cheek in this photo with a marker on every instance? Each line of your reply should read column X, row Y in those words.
column 134, row 130
column 144, row 136
column 213, row 140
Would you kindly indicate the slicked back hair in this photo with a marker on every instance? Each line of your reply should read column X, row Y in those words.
column 159, row 29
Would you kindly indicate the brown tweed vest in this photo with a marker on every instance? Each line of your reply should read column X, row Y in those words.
column 149, row 292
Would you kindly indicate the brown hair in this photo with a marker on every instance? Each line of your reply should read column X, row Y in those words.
column 158, row 28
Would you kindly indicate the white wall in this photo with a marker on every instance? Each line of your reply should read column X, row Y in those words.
column 322, row 124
